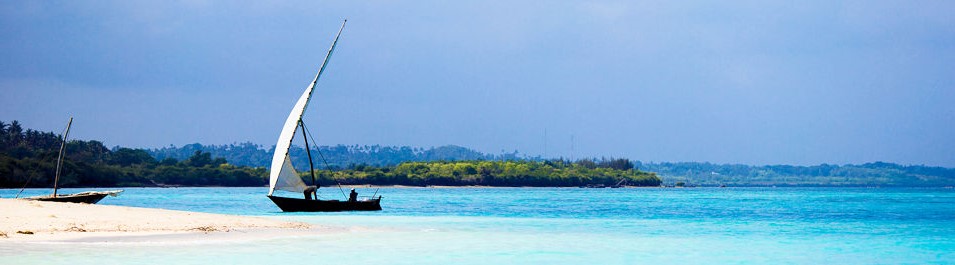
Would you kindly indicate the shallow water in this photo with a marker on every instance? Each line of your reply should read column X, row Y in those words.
column 555, row 226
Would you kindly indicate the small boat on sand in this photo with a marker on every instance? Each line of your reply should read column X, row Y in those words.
column 90, row 197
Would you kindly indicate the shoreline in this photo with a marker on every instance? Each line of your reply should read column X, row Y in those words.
column 36, row 221
column 353, row 186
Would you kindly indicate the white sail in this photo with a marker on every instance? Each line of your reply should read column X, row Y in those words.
column 283, row 176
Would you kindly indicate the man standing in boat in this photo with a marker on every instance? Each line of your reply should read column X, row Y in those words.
column 310, row 192
column 353, row 196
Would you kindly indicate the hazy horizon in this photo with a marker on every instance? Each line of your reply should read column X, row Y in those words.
column 755, row 83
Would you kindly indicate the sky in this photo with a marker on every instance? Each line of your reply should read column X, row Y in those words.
column 750, row 82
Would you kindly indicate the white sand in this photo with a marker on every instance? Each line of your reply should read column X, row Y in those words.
column 55, row 221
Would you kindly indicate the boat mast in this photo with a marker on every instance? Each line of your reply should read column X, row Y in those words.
column 301, row 124
column 59, row 160
column 311, row 167
column 314, row 82
column 280, row 157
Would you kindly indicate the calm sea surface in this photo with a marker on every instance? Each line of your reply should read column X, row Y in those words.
column 553, row 226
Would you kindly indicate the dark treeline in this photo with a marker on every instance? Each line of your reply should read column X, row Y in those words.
column 382, row 165
column 864, row 175
column 691, row 173
column 555, row 173
column 338, row 157
column 31, row 155
column 28, row 158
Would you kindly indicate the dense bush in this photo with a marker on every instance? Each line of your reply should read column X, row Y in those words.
column 555, row 173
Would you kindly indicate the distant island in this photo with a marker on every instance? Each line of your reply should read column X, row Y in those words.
column 876, row 174
column 690, row 173
column 27, row 158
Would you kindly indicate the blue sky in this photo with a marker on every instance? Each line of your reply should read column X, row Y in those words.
column 754, row 82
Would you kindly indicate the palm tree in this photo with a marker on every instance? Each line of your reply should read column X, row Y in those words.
column 14, row 133
column 3, row 134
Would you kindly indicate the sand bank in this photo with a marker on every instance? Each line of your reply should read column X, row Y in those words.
column 22, row 220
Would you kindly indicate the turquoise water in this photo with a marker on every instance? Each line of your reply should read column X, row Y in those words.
column 555, row 226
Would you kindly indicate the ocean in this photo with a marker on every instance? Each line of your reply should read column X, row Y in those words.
column 423, row 225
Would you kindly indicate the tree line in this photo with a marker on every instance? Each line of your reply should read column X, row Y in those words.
column 341, row 157
column 863, row 175
column 527, row 173
column 28, row 159
column 337, row 156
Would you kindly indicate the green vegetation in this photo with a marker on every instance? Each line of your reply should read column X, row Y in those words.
column 338, row 156
column 865, row 175
column 691, row 173
column 494, row 173
column 29, row 158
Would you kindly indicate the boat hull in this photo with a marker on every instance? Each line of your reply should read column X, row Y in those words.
column 303, row 205
column 88, row 197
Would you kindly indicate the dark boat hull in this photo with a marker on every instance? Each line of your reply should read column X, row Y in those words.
column 303, row 205
column 86, row 197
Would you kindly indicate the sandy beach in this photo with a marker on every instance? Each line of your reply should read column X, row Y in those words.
column 23, row 220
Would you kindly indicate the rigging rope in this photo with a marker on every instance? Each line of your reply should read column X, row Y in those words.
column 32, row 173
column 309, row 133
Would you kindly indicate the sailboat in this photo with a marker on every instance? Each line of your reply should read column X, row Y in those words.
column 90, row 197
column 283, row 175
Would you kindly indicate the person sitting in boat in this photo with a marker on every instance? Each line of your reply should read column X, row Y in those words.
column 353, row 196
column 310, row 192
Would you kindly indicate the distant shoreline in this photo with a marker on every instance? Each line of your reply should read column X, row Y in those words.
column 27, row 158
column 497, row 187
